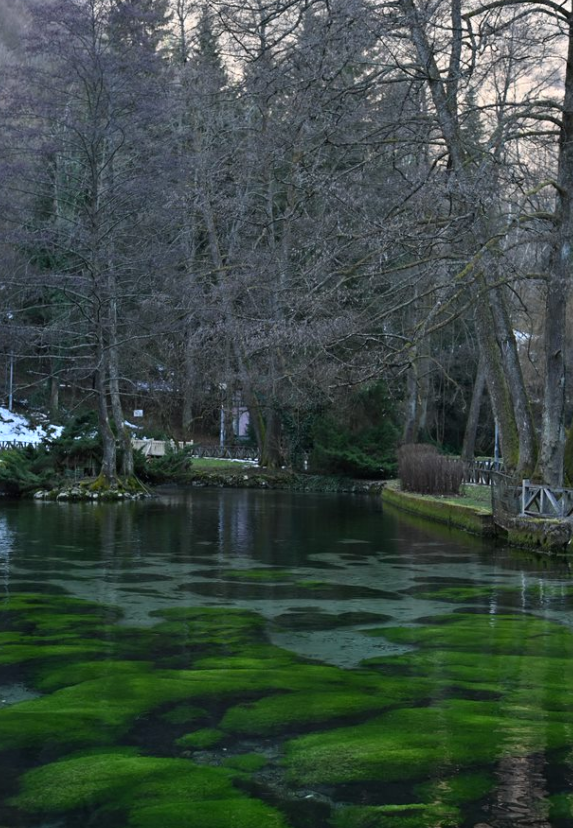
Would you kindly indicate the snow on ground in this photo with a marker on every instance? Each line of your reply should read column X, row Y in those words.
column 15, row 427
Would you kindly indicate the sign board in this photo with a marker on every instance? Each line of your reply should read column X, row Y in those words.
column 138, row 412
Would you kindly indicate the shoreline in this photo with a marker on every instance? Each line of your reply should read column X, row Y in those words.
column 545, row 536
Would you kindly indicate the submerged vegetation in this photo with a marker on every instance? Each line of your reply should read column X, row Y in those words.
column 171, row 724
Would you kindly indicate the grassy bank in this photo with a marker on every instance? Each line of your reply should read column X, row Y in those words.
column 470, row 511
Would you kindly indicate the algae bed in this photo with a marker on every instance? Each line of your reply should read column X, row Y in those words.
column 246, row 659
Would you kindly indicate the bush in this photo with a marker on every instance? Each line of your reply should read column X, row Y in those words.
column 421, row 469
column 173, row 467
column 359, row 441
column 21, row 471
column 79, row 443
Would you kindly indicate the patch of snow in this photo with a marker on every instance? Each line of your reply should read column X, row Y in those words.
column 231, row 460
column 16, row 428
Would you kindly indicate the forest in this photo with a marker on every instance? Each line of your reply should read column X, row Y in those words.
column 351, row 218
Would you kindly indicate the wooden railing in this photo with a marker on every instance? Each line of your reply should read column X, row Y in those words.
column 538, row 500
column 225, row 452
column 481, row 471
column 158, row 448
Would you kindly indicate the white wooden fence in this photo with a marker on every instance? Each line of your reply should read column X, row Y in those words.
column 538, row 500
column 157, row 448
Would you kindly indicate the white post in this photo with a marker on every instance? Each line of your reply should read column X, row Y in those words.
column 222, row 428
column 524, row 487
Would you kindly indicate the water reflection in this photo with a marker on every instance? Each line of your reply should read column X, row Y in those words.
column 5, row 552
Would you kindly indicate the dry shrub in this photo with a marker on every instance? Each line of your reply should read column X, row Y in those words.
column 421, row 469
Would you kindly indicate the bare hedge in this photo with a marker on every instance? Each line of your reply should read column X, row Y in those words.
column 422, row 469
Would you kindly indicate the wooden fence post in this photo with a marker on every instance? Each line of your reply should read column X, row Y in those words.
column 524, row 487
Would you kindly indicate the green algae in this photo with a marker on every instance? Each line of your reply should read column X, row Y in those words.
column 258, row 574
column 520, row 635
column 468, row 594
column 561, row 808
column 51, row 679
column 207, row 737
column 306, row 620
column 326, row 590
column 151, row 791
column 183, row 714
column 42, row 614
column 84, row 781
column 231, row 813
column 532, row 713
column 256, row 689
column 22, row 653
column 413, row 815
column 322, row 703
column 246, row 762
column 12, row 638
column 252, row 657
column 414, row 743
column 101, row 710
column 45, row 632
column 456, row 790
column 208, row 630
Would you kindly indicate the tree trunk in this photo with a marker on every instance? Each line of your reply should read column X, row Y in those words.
column 500, row 397
column 272, row 456
column 188, row 388
column 114, row 390
column 553, row 426
column 468, row 447
column 494, row 333
column 118, row 415
column 54, row 395
column 527, row 452
column 417, row 393
column 410, row 430
column 109, row 461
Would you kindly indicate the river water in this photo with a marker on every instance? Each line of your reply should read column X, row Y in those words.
column 238, row 659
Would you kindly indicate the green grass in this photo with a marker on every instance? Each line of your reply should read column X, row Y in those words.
column 213, row 464
column 474, row 496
